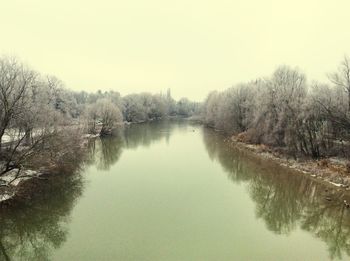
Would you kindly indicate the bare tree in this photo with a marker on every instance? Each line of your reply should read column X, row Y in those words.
column 341, row 78
column 92, row 116
column 28, row 119
column 283, row 112
column 16, row 82
column 105, row 111
column 109, row 115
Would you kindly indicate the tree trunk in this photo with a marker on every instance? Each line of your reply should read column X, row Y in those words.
column 28, row 135
column 349, row 100
column 2, row 132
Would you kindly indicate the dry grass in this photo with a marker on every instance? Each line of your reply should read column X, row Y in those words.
column 333, row 170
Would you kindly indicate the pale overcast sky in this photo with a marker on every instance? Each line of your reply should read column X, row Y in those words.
column 190, row 46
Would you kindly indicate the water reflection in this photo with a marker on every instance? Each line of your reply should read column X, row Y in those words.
column 106, row 151
column 286, row 200
column 32, row 228
column 149, row 133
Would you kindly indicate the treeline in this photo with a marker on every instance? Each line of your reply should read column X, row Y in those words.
column 284, row 111
column 109, row 108
column 134, row 108
column 42, row 122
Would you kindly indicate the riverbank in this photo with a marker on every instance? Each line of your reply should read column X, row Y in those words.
column 66, row 158
column 69, row 154
column 12, row 180
column 332, row 171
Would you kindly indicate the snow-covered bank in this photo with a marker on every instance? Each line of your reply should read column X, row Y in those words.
column 11, row 180
column 90, row 136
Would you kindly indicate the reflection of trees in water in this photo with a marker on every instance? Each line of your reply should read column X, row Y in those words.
column 286, row 200
column 31, row 229
column 106, row 151
column 147, row 133
column 331, row 223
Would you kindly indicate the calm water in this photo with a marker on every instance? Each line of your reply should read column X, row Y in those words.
column 173, row 191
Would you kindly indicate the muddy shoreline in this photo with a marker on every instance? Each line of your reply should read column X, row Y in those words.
column 330, row 171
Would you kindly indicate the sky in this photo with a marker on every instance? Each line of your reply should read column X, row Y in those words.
column 189, row 46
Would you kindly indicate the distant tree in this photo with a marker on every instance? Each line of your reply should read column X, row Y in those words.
column 185, row 107
column 158, row 107
column 211, row 107
column 134, row 109
column 105, row 112
column 109, row 114
column 92, row 116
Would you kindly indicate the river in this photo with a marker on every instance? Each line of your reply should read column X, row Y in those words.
column 176, row 191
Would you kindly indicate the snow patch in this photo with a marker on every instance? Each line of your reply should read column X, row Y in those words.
column 336, row 184
column 11, row 178
column 5, row 197
column 88, row 136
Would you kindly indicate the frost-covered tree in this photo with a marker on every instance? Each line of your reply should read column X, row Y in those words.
column 105, row 112
column 29, row 119
column 284, row 112
column 16, row 85
column 109, row 114
column 341, row 78
column 134, row 109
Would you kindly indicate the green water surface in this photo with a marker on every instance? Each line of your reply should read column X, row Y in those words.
column 176, row 191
